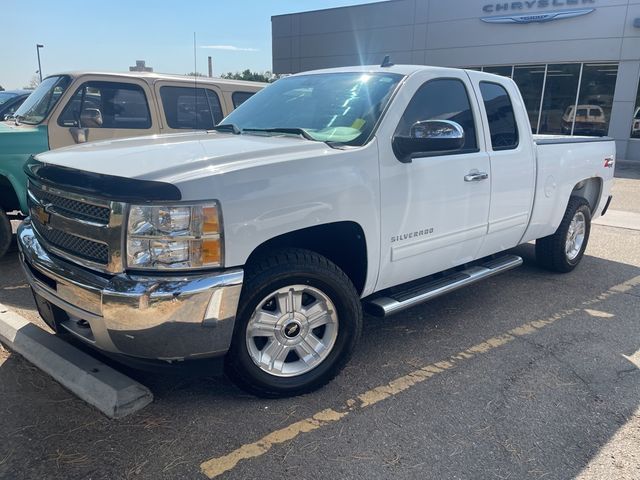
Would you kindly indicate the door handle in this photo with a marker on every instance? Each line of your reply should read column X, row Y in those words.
column 476, row 176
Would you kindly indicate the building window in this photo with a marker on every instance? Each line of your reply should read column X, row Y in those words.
column 635, row 129
column 560, row 93
column 530, row 81
column 504, row 71
column 596, row 99
column 569, row 99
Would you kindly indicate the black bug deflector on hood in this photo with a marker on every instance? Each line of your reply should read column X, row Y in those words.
column 111, row 187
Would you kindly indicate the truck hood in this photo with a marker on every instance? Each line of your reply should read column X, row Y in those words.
column 178, row 157
column 22, row 139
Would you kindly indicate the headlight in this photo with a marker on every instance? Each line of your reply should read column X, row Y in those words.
column 174, row 236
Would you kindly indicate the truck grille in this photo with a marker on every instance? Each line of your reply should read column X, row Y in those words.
column 85, row 230
column 80, row 247
column 72, row 207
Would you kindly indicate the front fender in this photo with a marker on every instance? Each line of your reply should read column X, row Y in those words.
column 17, row 144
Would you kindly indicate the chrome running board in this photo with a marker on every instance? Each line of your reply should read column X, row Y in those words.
column 397, row 300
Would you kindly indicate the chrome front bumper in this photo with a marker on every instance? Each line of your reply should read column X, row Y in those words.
column 155, row 317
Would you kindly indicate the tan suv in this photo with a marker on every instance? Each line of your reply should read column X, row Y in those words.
column 85, row 106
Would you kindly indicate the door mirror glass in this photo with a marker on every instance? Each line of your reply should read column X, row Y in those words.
column 91, row 118
column 429, row 137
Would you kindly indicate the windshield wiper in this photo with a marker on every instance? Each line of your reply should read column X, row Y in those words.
column 227, row 127
column 293, row 131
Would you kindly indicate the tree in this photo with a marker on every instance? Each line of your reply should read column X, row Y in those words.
column 195, row 74
column 251, row 76
column 1, row 89
column 33, row 83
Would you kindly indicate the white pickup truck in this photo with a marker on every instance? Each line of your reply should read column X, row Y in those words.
column 261, row 241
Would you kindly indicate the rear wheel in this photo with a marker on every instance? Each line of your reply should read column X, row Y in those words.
column 6, row 233
column 298, row 322
column 562, row 251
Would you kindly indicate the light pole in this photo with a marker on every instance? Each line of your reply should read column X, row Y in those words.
column 38, row 47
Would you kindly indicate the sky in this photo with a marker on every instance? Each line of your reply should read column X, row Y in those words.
column 110, row 35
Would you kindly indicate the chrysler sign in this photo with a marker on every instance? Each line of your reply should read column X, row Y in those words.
column 518, row 7
column 538, row 17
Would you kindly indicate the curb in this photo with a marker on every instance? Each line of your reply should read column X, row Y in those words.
column 111, row 392
column 619, row 219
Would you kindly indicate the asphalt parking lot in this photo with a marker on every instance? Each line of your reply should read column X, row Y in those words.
column 525, row 375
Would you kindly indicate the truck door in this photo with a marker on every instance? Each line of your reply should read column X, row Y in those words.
column 102, row 109
column 434, row 208
column 512, row 158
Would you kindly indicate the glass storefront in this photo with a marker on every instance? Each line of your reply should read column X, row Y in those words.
column 501, row 70
column 635, row 127
column 568, row 98
column 596, row 98
column 560, row 94
column 530, row 81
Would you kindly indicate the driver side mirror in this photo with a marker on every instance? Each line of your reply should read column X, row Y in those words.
column 91, row 118
column 427, row 138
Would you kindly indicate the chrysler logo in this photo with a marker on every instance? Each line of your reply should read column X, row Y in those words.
column 538, row 17
column 531, row 4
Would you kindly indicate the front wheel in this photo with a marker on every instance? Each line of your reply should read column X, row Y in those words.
column 562, row 251
column 298, row 322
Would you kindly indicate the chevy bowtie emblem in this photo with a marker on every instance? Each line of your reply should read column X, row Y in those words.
column 41, row 215
column 538, row 17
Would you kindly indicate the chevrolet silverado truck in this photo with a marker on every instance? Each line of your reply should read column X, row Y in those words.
column 331, row 192
column 81, row 107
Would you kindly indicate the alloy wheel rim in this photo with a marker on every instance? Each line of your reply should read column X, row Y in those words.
column 292, row 331
column 575, row 236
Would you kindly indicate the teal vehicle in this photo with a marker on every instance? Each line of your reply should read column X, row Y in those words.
column 80, row 107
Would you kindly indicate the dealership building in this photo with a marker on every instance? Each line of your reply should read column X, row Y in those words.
column 577, row 62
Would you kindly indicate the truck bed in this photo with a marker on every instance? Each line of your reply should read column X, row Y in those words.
column 559, row 167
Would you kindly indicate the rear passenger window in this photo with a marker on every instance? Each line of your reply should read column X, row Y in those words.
column 190, row 108
column 441, row 99
column 502, row 121
column 240, row 97
column 107, row 105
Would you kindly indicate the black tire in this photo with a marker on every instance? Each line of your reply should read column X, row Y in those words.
column 6, row 233
column 279, row 270
column 550, row 251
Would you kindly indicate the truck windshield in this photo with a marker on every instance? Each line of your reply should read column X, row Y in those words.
column 38, row 105
column 328, row 107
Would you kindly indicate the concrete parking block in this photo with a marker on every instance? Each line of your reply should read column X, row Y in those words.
column 111, row 392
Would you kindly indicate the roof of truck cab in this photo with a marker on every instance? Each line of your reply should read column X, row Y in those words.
column 153, row 76
column 399, row 69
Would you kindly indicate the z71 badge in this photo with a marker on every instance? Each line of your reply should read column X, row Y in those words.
column 407, row 236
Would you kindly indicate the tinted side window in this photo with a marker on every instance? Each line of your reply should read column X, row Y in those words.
column 442, row 99
column 240, row 97
column 107, row 105
column 190, row 108
column 502, row 121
